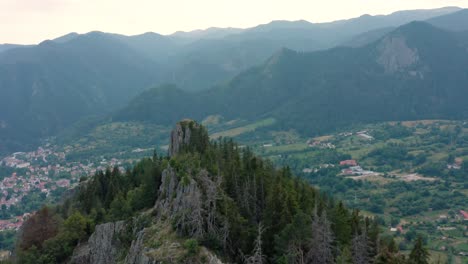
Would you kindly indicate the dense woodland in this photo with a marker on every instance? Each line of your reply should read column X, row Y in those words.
column 250, row 212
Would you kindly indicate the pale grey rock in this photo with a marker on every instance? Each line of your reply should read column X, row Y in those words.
column 395, row 55
column 102, row 246
column 136, row 254
column 180, row 136
column 81, row 254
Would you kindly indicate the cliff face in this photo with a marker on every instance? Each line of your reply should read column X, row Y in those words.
column 185, row 210
column 102, row 247
column 138, row 252
column 180, row 136
column 186, row 206
column 188, row 135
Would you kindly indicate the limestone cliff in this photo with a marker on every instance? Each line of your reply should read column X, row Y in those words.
column 102, row 246
column 187, row 134
column 184, row 212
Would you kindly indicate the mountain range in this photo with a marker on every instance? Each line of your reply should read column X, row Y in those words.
column 47, row 87
column 417, row 71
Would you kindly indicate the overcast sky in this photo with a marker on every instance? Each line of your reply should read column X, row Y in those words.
column 31, row 21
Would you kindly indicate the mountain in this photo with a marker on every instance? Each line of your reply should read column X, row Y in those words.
column 66, row 38
column 207, row 202
column 206, row 62
column 209, row 33
column 5, row 47
column 457, row 21
column 398, row 77
column 151, row 45
column 453, row 21
column 367, row 37
column 46, row 87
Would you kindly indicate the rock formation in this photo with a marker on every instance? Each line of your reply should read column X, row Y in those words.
column 188, row 135
column 180, row 136
column 101, row 248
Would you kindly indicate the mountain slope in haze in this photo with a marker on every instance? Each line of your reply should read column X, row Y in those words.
column 457, row 21
column 209, row 33
column 47, row 87
column 219, row 59
column 453, row 21
column 399, row 77
column 367, row 37
column 5, row 47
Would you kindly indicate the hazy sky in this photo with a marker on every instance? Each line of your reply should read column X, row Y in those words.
column 31, row 21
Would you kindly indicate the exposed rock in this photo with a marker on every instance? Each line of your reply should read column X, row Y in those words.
column 395, row 55
column 81, row 254
column 180, row 136
column 136, row 254
column 211, row 258
column 181, row 200
column 102, row 246
column 191, row 203
column 167, row 190
column 188, row 136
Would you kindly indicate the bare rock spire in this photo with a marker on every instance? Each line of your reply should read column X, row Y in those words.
column 180, row 136
column 188, row 135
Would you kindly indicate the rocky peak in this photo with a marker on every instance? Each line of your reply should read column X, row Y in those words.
column 187, row 133
column 180, row 136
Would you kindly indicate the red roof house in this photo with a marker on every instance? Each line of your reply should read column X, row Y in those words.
column 464, row 214
column 348, row 163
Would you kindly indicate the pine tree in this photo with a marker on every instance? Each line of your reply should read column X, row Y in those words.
column 341, row 225
column 321, row 244
column 419, row 254
column 345, row 257
column 292, row 243
column 360, row 248
column 257, row 256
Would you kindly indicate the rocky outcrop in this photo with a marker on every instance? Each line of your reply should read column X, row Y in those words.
column 81, row 255
column 190, row 202
column 395, row 55
column 180, row 136
column 185, row 209
column 181, row 201
column 188, row 136
column 137, row 252
column 102, row 246
column 167, row 189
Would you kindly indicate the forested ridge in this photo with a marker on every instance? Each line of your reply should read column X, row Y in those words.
column 214, row 195
column 398, row 77
column 45, row 88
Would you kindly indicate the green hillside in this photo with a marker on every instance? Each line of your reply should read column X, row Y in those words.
column 207, row 199
column 399, row 77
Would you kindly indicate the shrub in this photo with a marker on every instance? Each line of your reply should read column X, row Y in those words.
column 192, row 247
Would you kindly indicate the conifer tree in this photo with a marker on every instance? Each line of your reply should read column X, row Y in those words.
column 257, row 256
column 321, row 243
column 360, row 248
column 419, row 254
column 345, row 257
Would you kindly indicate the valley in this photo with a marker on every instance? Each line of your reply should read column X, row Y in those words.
column 290, row 142
column 409, row 174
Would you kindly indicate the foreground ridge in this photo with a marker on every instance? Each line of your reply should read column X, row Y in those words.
column 207, row 202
